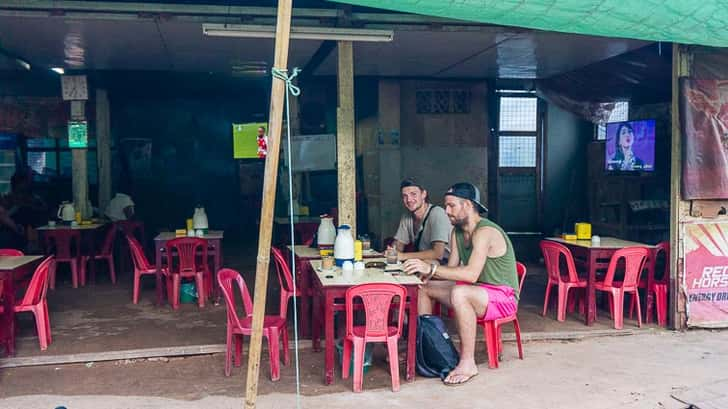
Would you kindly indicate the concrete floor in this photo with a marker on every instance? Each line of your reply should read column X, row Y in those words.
column 639, row 371
column 100, row 317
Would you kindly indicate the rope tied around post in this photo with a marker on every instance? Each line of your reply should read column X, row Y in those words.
column 282, row 74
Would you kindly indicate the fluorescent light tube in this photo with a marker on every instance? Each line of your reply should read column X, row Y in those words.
column 298, row 33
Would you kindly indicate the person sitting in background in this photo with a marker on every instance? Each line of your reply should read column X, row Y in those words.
column 121, row 207
column 480, row 279
column 425, row 225
column 11, row 233
column 22, row 204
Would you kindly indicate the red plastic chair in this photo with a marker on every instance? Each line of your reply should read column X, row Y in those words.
column 142, row 266
column 274, row 327
column 11, row 252
column 634, row 263
column 35, row 301
column 659, row 288
column 552, row 253
column 134, row 228
column 187, row 266
column 105, row 253
column 285, row 279
column 377, row 301
column 66, row 244
column 492, row 328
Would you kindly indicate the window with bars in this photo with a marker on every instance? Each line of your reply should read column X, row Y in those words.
column 51, row 158
column 517, row 114
column 619, row 113
column 442, row 101
column 517, row 124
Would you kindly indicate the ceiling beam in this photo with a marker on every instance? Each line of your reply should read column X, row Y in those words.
column 134, row 8
column 317, row 59
column 109, row 7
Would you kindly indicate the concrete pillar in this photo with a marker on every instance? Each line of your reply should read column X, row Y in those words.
column 345, row 145
column 103, row 147
column 385, row 202
column 79, row 166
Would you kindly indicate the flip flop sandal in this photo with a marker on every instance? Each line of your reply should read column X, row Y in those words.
column 463, row 382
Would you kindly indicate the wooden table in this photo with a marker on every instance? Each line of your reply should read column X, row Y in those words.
column 88, row 234
column 12, row 268
column 592, row 258
column 214, row 250
column 331, row 291
column 304, row 274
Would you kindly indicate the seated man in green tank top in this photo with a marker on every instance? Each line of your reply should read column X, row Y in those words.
column 480, row 279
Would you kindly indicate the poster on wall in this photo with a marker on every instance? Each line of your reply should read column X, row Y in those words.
column 77, row 134
column 311, row 152
column 250, row 141
column 706, row 274
column 138, row 157
column 704, row 115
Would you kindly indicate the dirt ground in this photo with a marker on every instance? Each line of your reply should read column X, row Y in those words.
column 101, row 317
column 639, row 371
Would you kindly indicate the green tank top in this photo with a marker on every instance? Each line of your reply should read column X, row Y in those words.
column 497, row 271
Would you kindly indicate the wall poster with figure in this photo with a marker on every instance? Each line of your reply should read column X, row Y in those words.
column 704, row 116
column 250, row 141
column 706, row 274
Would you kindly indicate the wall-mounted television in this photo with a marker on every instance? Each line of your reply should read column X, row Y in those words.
column 630, row 146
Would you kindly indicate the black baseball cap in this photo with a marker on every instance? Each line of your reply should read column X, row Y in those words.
column 467, row 191
column 410, row 182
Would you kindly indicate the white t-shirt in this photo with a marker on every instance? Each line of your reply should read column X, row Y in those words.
column 115, row 209
column 436, row 228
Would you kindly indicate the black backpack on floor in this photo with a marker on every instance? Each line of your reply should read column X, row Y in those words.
column 436, row 354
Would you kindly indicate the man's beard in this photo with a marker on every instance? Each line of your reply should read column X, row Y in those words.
column 459, row 222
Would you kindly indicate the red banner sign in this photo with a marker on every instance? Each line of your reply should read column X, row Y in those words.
column 704, row 118
column 706, row 274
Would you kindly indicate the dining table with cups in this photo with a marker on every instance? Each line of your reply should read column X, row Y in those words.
column 304, row 275
column 214, row 250
column 593, row 256
column 330, row 283
column 89, row 230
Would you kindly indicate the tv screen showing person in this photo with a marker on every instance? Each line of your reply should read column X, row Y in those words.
column 630, row 146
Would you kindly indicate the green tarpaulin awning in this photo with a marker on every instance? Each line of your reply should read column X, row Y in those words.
column 703, row 22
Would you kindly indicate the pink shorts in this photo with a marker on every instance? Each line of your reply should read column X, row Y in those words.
column 501, row 300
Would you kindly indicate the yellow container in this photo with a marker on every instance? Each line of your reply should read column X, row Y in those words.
column 78, row 217
column 180, row 232
column 189, row 224
column 357, row 250
column 568, row 236
column 583, row 231
column 326, row 252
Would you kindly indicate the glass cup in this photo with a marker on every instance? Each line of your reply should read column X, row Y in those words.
column 327, row 262
column 391, row 255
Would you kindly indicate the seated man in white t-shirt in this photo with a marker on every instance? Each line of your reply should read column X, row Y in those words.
column 424, row 225
column 121, row 207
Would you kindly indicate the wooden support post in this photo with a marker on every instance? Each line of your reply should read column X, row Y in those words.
column 345, row 146
column 278, row 90
column 680, row 67
column 103, row 147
